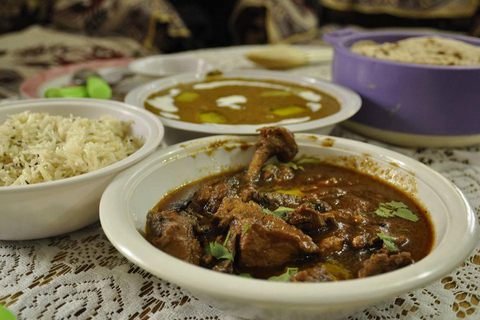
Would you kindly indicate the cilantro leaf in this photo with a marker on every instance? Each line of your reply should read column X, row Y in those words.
column 279, row 212
column 219, row 251
column 245, row 275
column 267, row 211
column 308, row 160
column 384, row 212
column 388, row 241
column 291, row 165
column 283, row 210
column 245, row 230
column 284, row 277
column 397, row 204
column 395, row 209
column 226, row 238
column 268, row 167
column 406, row 214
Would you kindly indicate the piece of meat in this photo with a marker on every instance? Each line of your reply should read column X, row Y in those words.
column 332, row 244
column 172, row 232
column 315, row 274
column 263, row 240
column 384, row 261
column 277, row 173
column 210, row 195
column 305, row 217
column 353, row 203
column 355, row 230
column 273, row 200
column 274, row 141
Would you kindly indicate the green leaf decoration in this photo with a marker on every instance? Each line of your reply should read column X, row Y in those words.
column 397, row 204
column 284, row 277
column 388, row 241
column 406, row 214
column 395, row 209
column 5, row 314
column 384, row 212
column 245, row 275
column 220, row 252
column 266, row 211
column 279, row 212
column 291, row 165
column 308, row 160
column 245, row 230
column 268, row 167
column 226, row 238
column 282, row 210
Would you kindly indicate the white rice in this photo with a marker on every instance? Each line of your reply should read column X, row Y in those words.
column 38, row 147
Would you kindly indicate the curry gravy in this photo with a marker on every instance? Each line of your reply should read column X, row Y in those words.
column 241, row 101
column 354, row 195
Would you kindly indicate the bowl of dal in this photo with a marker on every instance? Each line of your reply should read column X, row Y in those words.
column 192, row 105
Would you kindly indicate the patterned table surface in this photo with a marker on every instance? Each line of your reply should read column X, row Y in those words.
column 82, row 276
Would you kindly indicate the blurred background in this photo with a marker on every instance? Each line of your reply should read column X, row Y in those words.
column 39, row 34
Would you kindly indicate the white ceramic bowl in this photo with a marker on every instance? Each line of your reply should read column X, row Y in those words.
column 177, row 131
column 52, row 208
column 128, row 198
column 164, row 65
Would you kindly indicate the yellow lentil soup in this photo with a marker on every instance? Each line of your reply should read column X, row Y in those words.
column 241, row 101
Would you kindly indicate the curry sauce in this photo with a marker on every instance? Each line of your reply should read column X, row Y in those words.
column 241, row 101
column 293, row 220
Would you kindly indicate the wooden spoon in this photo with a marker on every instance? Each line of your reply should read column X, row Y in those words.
column 286, row 57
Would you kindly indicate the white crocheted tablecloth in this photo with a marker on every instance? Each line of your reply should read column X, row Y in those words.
column 81, row 276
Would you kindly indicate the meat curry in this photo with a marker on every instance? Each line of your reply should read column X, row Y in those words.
column 303, row 221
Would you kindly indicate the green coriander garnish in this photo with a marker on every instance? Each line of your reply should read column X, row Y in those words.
column 395, row 209
column 245, row 275
column 268, row 167
column 284, row 277
column 308, row 160
column 400, row 229
column 291, row 165
column 226, row 238
column 219, row 251
column 388, row 241
column 245, row 230
column 279, row 212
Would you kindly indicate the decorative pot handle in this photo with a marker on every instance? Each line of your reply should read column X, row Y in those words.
column 335, row 38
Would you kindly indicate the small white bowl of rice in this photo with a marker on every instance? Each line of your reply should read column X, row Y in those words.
column 58, row 155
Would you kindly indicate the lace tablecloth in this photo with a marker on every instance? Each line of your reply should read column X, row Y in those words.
column 81, row 275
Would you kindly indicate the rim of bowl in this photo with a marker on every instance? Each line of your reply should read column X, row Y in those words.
column 370, row 35
column 353, row 102
column 151, row 143
column 458, row 240
column 137, row 66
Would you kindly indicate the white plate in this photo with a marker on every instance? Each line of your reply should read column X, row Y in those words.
column 350, row 103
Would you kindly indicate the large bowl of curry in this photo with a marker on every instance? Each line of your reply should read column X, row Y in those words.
column 271, row 227
column 242, row 101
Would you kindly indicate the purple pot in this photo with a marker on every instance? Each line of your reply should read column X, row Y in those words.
column 408, row 98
